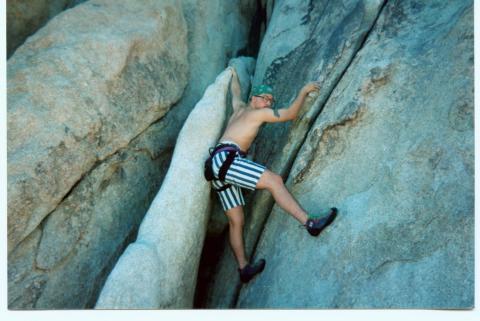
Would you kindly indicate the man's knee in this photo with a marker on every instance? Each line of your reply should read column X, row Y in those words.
column 269, row 180
column 235, row 216
column 236, row 222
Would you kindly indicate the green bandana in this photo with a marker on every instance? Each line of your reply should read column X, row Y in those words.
column 261, row 89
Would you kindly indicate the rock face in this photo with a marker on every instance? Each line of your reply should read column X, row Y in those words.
column 97, row 97
column 60, row 100
column 303, row 42
column 77, row 97
column 217, row 31
column 24, row 17
column 393, row 149
column 117, row 100
column 157, row 271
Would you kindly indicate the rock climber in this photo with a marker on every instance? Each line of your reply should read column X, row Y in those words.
column 230, row 171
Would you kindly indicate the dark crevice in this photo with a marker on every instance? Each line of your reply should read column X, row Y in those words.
column 212, row 250
column 255, row 35
column 214, row 245
column 289, row 165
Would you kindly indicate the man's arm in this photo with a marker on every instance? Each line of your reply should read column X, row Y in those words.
column 290, row 113
column 236, row 91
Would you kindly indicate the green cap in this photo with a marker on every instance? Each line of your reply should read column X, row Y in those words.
column 261, row 89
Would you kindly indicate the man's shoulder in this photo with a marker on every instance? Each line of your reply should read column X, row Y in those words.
column 271, row 115
column 256, row 114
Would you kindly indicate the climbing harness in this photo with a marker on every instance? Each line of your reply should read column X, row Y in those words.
column 208, row 170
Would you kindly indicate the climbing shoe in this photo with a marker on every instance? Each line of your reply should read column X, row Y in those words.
column 250, row 270
column 316, row 225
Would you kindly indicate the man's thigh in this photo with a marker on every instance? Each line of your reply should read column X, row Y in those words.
column 231, row 197
column 244, row 173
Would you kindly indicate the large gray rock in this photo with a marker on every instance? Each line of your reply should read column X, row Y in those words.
column 159, row 269
column 393, row 150
column 304, row 42
column 81, row 241
column 82, row 164
column 68, row 109
column 83, row 236
column 24, row 17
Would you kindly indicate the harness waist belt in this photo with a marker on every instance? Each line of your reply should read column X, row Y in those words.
column 232, row 152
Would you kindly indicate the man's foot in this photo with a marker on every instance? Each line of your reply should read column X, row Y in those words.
column 250, row 270
column 316, row 225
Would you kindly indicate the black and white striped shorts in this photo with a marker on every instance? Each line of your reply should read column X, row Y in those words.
column 243, row 173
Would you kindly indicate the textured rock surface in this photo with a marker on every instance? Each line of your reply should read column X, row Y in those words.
column 81, row 239
column 24, row 17
column 393, row 150
column 304, row 41
column 69, row 109
column 159, row 269
column 77, row 98
column 88, row 230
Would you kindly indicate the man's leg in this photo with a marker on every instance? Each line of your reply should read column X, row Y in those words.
column 274, row 184
column 236, row 221
column 246, row 270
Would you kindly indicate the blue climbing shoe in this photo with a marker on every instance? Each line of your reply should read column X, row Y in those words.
column 250, row 270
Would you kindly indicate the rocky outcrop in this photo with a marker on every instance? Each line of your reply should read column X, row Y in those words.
column 63, row 120
column 77, row 97
column 24, row 17
column 62, row 251
column 393, row 150
column 95, row 106
column 158, row 270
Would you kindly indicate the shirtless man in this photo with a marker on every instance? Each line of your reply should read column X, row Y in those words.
column 239, row 134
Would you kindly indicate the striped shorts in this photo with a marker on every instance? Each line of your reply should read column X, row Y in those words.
column 243, row 173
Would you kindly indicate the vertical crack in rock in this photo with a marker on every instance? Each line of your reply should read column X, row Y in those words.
column 290, row 164
column 328, row 136
column 350, row 118
column 258, row 27
column 100, row 279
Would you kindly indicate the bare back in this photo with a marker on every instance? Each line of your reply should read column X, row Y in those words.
column 242, row 127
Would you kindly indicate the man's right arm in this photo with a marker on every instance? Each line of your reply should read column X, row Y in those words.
column 236, row 91
column 272, row 115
